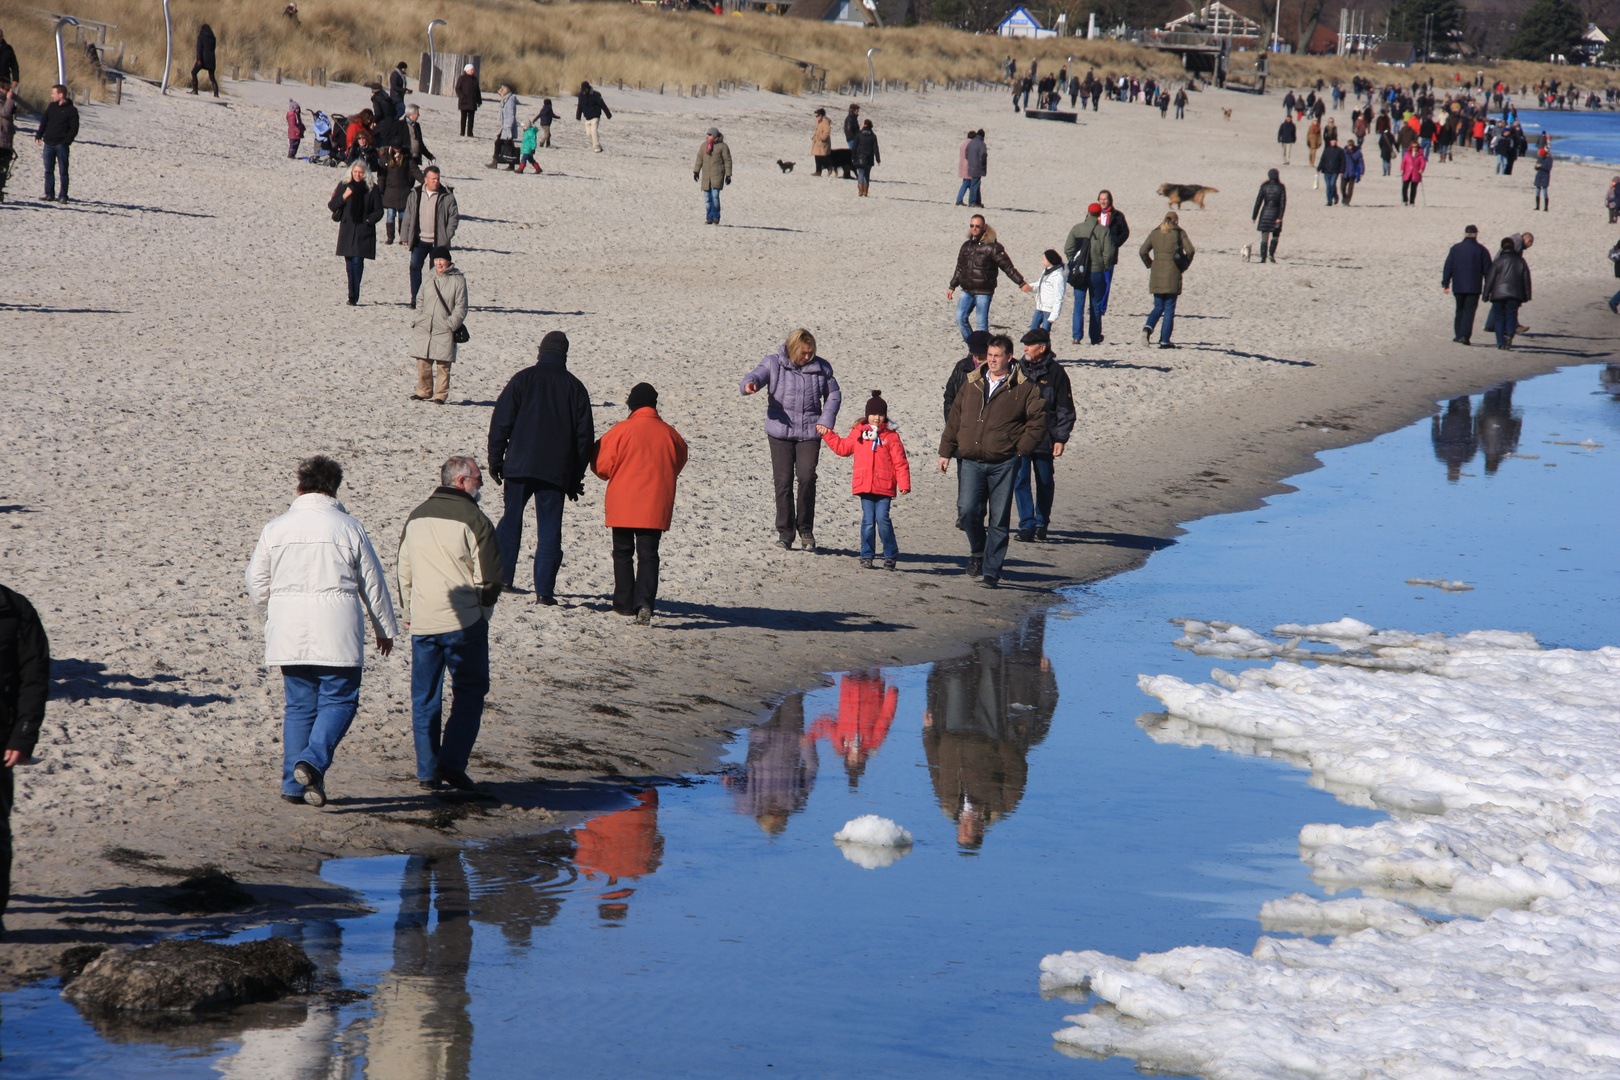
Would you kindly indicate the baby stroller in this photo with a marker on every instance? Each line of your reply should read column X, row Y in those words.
column 330, row 147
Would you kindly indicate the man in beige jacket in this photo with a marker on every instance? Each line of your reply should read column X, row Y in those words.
column 449, row 579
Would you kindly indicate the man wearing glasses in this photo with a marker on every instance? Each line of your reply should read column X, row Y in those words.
column 977, row 266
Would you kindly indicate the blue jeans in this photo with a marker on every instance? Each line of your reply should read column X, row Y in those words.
column 1108, row 287
column 981, row 487
column 419, row 254
column 56, row 159
column 548, row 511
column 970, row 188
column 875, row 520
column 1166, row 306
column 979, row 304
column 357, row 269
column 1504, row 319
column 1614, row 300
column 1034, row 509
column 1042, row 320
column 321, row 703
column 863, row 175
column 1332, row 181
column 466, row 653
column 711, row 205
column 1098, row 289
column 1386, row 166
column 393, row 217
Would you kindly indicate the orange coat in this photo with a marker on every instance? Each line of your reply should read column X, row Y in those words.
column 640, row 457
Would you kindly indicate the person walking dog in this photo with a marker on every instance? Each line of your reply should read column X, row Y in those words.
column 712, row 171
column 315, row 580
column 640, row 457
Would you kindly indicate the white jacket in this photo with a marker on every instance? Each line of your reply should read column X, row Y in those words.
column 313, row 569
column 1049, row 291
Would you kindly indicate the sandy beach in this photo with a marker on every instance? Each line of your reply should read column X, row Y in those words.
column 178, row 340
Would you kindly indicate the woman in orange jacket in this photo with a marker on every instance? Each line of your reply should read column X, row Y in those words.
column 881, row 470
column 639, row 457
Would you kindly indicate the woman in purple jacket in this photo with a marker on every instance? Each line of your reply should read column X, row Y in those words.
column 802, row 401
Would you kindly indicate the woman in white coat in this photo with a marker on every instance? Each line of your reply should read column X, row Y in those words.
column 315, row 578
column 1049, row 292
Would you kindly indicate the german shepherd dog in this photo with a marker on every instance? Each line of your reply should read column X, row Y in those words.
column 1180, row 193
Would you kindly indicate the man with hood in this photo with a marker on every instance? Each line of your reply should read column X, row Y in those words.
column 1089, row 252
column 712, row 171
column 1041, row 368
column 540, row 439
column 205, row 59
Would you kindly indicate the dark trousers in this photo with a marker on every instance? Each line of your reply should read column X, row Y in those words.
column 1504, row 319
column 467, row 122
column 635, row 568
column 419, row 254
column 1409, row 191
column 56, row 160
column 1347, row 188
column 8, row 798
column 1332, row 185
column 1034, row 509
column 7, row 156
column 357, row 269
column 548, row 511
column 981, row 487
column 465, row 653
column 1463, row 325
column 211, row 78
column 795, row 459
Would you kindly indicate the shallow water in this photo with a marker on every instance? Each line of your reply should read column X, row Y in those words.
column 712, row 928
column 1587, row 136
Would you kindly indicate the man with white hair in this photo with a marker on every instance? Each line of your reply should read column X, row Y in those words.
column 449, row 579
column 469, row 95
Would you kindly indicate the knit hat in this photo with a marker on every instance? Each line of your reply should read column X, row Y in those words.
column 440, row 252
column 1037, row 336
column 642, row 396
column 978, row 342
column 1094, row 208
column 876, row 406
column 554, row 346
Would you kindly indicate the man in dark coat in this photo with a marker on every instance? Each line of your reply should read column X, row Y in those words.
column 205, row 59
column 469, row 95
column 540, row 440
column 9, row 72
column 25, row 683
column 852, row 125
column 977, row 343
column 1042, row 368
column 978, row 262
column 57, row 130
column 397, row 90
column 1464, row 278
column 591, row 108
column 1331, row 166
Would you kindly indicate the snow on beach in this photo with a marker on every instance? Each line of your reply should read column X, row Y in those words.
column 1499, row 765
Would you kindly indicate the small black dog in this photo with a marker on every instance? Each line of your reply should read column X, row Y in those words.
column 786, row 166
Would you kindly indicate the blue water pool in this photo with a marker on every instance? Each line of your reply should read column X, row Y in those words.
column 1587, row 136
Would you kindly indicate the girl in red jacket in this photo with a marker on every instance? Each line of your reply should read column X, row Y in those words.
column 881, row 470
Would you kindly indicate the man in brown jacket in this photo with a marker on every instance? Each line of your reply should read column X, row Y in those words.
column 976, row 267
column 997, row 417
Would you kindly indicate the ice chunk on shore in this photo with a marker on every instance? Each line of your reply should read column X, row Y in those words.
column 873, row 831
column 1500, row 763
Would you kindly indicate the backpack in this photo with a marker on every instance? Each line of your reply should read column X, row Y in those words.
column 1080, row 265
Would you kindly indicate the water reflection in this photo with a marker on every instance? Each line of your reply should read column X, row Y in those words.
column 775, row 780
column 866, row 707
column 622, row 845
column 986, row 710
column 1458, row 433
column 1497, row 426
column 1609, row 379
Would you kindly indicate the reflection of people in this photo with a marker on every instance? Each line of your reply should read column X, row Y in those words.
column 1496, row 428
column 865, row 711
column 1609, row 378
column 420, row 1026
column 986, row 710
column 776, row 779
column 623, row 844
column 1453, row 435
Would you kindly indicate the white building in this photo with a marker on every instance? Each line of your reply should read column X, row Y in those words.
column 1020, row 23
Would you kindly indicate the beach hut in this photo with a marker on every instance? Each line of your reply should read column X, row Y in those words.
column 1020, row 23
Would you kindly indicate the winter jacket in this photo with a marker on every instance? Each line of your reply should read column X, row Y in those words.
column 864, row 154
column 397, row 182
column 469, row 95
column 1332, row 160
column 547, row 116
column 976, row 266
column 8, row 63
column 880, row 462
column 797, row 398
column 1412, row 165
column 591, row 106
column 8, row 127
column 712, row 169
column 396, row 90
column 1270, row 205
column 60, row 124
column 1056, row 394
column 640, row 457
column 1544, row 164
column 1103, row 254
column 1386, row 146
column 953, row 385
column 25, row 672
column 509, row 123
column 852, row 127
column 417, row 146
column 1508, row 278
column 1287, row 133
column 449, row 565
column 315, row 578
column 1009, row 424
column 821, row 141
column 531, row 139
column 442, row 309
column 1355, row 165
column 541, row 428
column 1049, row 292
column 1466, row 265
column 1313, row 135
column 978, row 159
column 295, row 123
column 1158, row 255
column 359, row 214
column 866, row 709
column 446, row 217
column 1119, row 231
column 205, row 47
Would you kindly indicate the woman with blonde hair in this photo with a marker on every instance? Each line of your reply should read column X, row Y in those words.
column 1166, row 252
column 802, row 400
column 356, row 207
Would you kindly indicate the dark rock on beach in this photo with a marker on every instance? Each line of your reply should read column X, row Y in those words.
column 190, row 976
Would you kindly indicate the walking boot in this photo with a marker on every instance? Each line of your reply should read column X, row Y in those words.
column 390, row 232
column 1040, row 534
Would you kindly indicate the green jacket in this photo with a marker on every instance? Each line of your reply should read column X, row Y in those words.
column 1103, row 254
column 1158, row 255
column 713, row 170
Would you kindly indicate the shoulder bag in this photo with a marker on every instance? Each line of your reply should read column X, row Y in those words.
column 1080, row 265
column 1180, row 258
column 459, row 335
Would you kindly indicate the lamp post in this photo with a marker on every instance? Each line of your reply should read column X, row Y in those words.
column 168, row 46
column 1276, row 28
column 871, row 72
column 433, row 66
column 61, row 57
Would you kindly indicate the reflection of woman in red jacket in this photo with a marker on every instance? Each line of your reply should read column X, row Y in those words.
column 881, row 471
column 865, row 711
column 623, row 844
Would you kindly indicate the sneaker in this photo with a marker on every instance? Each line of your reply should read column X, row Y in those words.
column 866, row 564
column 296, row 800
column 455, row 778
column 314, row 783
column 644, row 617
column 975, row 567
column 548, row 601
column 989, row 583
column 808, row 541
column 1026, row 536
column 1040, row 535
column 1147, row 337
column 888, row 564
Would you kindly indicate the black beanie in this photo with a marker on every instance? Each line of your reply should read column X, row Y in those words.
column 554, row 346
column 876, row 406
column 642, row 396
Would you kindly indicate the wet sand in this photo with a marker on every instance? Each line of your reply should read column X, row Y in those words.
column 180, row 341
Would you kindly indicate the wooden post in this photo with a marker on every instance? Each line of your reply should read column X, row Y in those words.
column 278, row 76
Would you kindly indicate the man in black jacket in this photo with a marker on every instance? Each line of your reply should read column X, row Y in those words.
column 397, row 89
column 1043, row 369
column 25, row 682
column 852, row 125
column 1464, row 278
column 540, row 440
column 591, row 109
column 977, row 344
column 978, row 262
column 57, row 131
column 9, row 72
column 205, row 59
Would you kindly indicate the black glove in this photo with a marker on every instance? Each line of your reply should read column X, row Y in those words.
column 576, row 491
column 728, row 181
column 495, row 473
column 694, row 176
